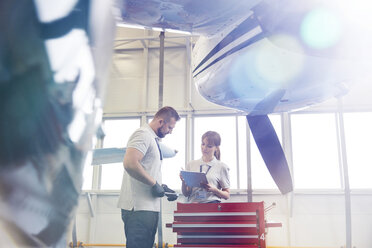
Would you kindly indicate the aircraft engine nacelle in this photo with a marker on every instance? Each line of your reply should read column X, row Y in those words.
column 249, row 68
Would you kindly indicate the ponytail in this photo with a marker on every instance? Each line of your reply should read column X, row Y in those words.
column 217, row 153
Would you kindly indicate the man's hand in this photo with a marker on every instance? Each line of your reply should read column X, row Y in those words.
column 166, row 189
column 169, row 193
column 157, row 190
column 171, row 196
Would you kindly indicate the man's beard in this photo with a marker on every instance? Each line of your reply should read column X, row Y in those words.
column 160, row 133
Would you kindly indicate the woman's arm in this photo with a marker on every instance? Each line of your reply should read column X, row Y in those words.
column 222, row 193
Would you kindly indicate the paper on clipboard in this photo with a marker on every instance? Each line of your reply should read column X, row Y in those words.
column 193, row 179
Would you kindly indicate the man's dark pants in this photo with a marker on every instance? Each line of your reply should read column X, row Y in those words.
column 140, row 228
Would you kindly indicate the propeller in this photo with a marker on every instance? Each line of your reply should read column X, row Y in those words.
column 271, row 151
column 116, row 155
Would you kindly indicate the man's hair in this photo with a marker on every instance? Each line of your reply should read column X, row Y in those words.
column 167, row 113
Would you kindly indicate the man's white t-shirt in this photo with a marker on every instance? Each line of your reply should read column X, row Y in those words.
column 135, row 194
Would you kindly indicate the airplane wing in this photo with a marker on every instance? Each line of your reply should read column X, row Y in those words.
column 116, row 155
column 198, row 17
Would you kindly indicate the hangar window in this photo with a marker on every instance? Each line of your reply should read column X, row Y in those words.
column 226, row 127
column 242, row 134
column 315, row 153
column 117, row 132
column 171, row 166
column 87, row 174
column 358, row 136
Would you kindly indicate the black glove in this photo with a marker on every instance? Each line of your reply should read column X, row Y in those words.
column 157, row 190
column 169, row 193
column 171, row 196
column 166, row 189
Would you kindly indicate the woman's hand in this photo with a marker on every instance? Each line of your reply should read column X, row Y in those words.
column 209, row 187
column 186, row 191
column 183, row 180
column 224, row 193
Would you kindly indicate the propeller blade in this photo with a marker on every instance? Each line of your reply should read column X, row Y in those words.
column 271, row 151
column 116, row 155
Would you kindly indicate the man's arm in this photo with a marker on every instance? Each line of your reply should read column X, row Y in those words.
column 132, row 165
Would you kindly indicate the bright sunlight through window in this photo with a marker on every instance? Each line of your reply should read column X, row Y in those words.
column 315, row 154
column 358, row 135
column 117, row 135
column 171, row 167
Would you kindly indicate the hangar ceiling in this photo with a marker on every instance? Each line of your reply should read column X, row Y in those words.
column 130, row 44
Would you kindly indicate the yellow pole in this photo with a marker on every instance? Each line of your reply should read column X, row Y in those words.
column 156, row 245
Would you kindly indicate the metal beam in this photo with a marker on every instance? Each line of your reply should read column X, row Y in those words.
column 346, row 175
column 287, row 146
column 249, row 164
column 145, row 88
column 188, row 105
column 161, row 69
column 161, row 82
column 154, row 37
column 237, row 151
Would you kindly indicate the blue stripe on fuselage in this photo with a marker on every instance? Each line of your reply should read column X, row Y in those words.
column 247, row 25
column 233, row 50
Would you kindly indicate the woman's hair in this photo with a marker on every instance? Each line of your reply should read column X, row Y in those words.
column 213, row 138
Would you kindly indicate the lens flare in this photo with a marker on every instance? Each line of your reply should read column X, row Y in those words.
column 267, row 67
column 321, row 29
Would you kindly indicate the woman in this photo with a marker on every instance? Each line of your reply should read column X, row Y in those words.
column 217, row 173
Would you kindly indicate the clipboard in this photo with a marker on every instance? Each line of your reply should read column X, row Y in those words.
column 194, row 179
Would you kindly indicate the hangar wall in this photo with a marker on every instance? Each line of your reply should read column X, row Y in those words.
column 310, row 219
column 314, row 220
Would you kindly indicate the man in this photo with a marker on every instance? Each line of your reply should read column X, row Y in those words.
column 141, row 191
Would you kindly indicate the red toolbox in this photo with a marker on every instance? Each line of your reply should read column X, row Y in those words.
column 238, row 225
